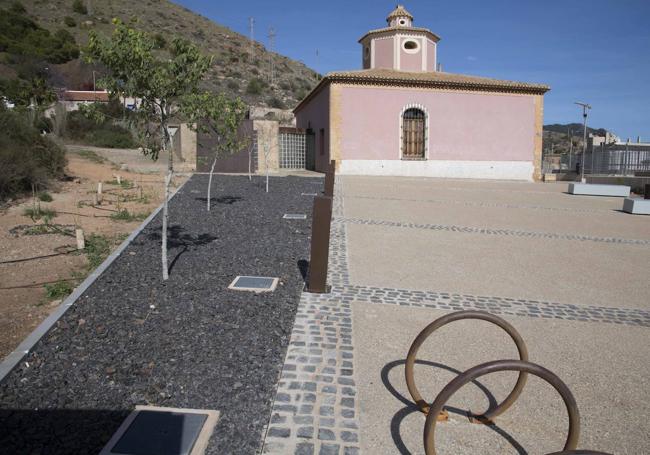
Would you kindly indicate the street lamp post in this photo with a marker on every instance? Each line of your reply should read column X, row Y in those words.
column 585, row 107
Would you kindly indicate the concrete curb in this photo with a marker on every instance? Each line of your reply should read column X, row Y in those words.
column 15, row 357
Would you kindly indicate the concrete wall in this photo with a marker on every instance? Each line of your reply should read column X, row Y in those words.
column 384, row 52
column 267, row 136
column 316, row 116
column 488, row 135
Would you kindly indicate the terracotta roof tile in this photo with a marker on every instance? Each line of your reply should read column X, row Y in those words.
column 74, row 95
column 432, row 35
column 399, row 11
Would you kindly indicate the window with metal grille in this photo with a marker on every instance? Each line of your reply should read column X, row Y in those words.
column 413, row 134
column 292, row 150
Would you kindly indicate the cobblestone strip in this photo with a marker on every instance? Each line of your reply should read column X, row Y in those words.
column 491, row 204
column 503, row 232
column 315, row 409
column 495, row 305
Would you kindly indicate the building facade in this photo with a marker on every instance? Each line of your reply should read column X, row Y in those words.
column 401, row 115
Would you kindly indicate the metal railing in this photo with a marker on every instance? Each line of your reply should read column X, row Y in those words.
column 435, row 412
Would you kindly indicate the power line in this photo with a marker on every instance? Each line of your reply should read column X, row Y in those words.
column 251, row 30
column 272, row 36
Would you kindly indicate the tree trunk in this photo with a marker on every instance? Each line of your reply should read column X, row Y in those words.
column 168, row 179
column 214, row 163
column 250, row 158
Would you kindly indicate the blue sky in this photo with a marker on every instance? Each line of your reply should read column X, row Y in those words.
column 597, row 51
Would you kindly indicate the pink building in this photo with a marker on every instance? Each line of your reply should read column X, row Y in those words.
column 399, row 115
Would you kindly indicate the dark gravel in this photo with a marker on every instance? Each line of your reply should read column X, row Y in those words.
column 199, row 346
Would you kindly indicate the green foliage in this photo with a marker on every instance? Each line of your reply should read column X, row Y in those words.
column 98, row 247
column 125, row 215
column 58, row 290
column 159, row 41
column 255, row 86
column 38, row 213
column 69, row 21
column 44, row 196
column 79, row 7
column 160, row 83
column 27, row 158
column 233, row 85
column 20, row 35
column 22, row 92
column 98, row 124
column 276, row 103
column 219, row 116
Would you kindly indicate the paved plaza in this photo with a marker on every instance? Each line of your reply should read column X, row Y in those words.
column 569, row 272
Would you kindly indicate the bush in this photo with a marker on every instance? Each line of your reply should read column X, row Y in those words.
column 105, row 134
column 78, row 7
column 44, row 196
column 26, row 157
column 70, row 22
column 276, row 103
column 233, row 85
column 58, row 290
column 254, row 87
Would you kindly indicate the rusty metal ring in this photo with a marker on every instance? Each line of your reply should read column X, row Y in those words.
column 456, row 316
column 579, row 452
column 493, row 367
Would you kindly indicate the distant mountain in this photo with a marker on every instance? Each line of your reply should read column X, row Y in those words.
column 575, row 128
column 235, row 70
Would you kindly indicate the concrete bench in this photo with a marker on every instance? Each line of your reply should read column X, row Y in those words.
column 593, row 189
column 636, row 206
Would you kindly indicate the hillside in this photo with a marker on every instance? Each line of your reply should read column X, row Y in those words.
column 234, row 71
column 556, row 137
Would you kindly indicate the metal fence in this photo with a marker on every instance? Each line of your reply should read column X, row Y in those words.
column 293, row 148
column 618, row 159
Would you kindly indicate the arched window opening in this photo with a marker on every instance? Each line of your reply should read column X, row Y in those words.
column 413, row 134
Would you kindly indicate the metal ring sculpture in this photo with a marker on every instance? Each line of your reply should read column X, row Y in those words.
column 493, row 367
column 470, row 314
column 579, row 452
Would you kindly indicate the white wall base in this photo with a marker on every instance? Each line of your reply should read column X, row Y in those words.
column 501, row 170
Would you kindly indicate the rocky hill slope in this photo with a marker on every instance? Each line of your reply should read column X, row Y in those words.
column 234, row 71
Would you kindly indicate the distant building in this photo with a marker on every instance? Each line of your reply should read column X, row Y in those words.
column 401, row 115
column 72, row 99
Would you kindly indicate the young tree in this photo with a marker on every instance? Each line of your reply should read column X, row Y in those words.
column 160, row 82
column 267, row 155
column 221, row 117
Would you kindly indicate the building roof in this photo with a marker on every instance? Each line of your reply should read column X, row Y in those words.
column 401, row 29
column 425, row 79
column 399, row 11
column 85, row 95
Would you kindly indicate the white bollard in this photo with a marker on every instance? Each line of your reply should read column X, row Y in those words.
column 81, row 241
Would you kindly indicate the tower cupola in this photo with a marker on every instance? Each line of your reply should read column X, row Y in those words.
column 400, row 17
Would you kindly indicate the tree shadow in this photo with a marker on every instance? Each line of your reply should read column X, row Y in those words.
column 303, row 266
column 229, row 200
column 411, row 408
column 176, row 238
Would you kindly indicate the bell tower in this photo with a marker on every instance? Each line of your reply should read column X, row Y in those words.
column 400, row 46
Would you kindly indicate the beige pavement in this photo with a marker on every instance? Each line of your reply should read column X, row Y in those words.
column 604, row 365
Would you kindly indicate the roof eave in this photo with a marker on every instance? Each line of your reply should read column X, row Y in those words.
column 435, row 38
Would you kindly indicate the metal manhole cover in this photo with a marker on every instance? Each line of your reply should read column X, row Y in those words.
column 163, row 431
column 295, row 216
column 254, row 283
column 309, row 194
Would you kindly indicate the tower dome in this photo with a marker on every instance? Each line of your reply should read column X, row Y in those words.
column 400, row 17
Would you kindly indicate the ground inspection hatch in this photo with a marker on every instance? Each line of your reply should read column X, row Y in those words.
column 295, row 216
column 163, row 431
column 254, row 283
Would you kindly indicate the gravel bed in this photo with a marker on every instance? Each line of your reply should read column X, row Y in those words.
column 187, row 343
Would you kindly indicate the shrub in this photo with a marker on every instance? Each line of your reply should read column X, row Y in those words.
column 233, row 85
column 159, row 41
column 58, row 290
column 70, row 22
column 276, row 103
column 44, row 196
column 79, row 7
column 106, row 133
column 97, row 249
column 254, row 87
column 26, row 157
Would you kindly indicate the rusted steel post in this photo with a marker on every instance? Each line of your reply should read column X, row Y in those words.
column 647, row 191
column 493, row 367
column 320, row 243
column 409, row 367
column 330, row 176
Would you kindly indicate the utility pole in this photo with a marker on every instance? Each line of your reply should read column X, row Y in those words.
column 317, row 62
column 251, row 31
column 585, row 108
column 570, row 134
column 272, row 35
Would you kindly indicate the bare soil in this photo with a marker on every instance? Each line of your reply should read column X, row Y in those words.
column 23, row 300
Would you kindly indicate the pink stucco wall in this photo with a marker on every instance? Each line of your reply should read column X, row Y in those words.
column 408, row 61
column 383, row 53
column 316, row 115
column 431, row 56
column 462, row 126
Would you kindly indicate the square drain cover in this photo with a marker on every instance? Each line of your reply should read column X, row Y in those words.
column 163, row 431
column 254, row 283
column 295, row 216
column 309, row 194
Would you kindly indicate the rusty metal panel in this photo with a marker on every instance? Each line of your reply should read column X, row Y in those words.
column 320, row 242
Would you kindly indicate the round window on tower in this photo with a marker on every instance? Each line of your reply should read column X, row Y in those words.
column 411, row 46
column 402, row 22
